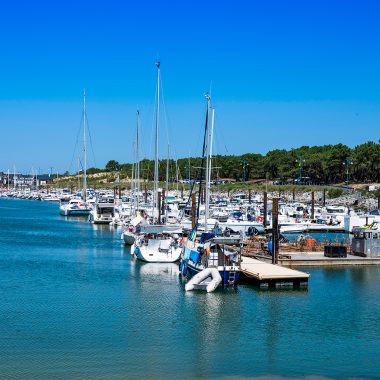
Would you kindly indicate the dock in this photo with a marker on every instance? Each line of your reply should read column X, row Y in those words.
column 317, row 259
column 269, row 275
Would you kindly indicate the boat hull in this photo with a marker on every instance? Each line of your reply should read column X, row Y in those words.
column 151, row 256
column 129, row 239
column 75, row 212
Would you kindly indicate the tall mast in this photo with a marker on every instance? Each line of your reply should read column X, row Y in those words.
column 84, row 148
column 210, row 156
column 167, row 171
column 204, row 155
column 8, row 180
column 176, row 172
column 78, row 174
column 138, row 161
column 133, row 185
column 14, row 177
column 208, row 138
column 155, row 189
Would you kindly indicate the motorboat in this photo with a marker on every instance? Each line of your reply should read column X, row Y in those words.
column 75, row 207
column 103, row 211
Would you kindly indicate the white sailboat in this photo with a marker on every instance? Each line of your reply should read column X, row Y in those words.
column 157, row 243
column 77, row 206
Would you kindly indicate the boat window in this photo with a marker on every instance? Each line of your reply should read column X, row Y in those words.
column 374, row 236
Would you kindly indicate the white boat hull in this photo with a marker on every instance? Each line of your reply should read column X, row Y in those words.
column 155, row 256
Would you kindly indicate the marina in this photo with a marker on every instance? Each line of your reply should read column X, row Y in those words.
column 77, row 304
column 190, row 190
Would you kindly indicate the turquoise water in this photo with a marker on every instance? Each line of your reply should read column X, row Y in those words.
column 329, row 237
column 75, row 305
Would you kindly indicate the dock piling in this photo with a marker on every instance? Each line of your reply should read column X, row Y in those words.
column 275, row 237
column 265, row 209
column 159, row 206
column 193, row 208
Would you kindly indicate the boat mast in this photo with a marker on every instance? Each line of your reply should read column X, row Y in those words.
column 204, row 155
column 78, row 174
column 133, row 185
column 176, row 173
column 84, row 149
column 211, row 134
column 137, row 162
column 167, row 171
column 155, row 189
column 208, row 171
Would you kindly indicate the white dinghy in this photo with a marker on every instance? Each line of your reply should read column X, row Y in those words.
column 208, row 279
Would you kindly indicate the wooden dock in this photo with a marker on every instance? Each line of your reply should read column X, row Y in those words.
column 268, row 275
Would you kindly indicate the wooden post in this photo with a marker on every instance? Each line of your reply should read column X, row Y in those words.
column 275, row 234
column 159, row 206
column 193, row 208
column 163, row 202
column 145, row 193
column 249, row 195
column 265, row 222
column 324, row 197
column 312, row 205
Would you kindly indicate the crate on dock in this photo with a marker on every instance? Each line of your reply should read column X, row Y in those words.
column 335, row 251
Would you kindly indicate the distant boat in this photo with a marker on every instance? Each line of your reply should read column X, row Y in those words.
column 103, row 211
column 75, row 207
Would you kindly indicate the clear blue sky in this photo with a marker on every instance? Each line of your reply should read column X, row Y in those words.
column 283, row 74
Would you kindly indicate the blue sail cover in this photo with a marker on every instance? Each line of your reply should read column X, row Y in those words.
column 206, row 236
column 193, row 234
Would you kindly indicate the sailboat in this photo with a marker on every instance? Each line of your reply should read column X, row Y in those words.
column 208, row 261
column 129, row 233
column 78, row 206
column 157, row 243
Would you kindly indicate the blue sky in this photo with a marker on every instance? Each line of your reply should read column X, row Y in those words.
column 282, row 73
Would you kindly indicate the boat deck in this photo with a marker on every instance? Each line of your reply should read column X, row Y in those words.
column 269, row 275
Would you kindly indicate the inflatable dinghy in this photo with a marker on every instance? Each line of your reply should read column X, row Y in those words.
column 208, row 279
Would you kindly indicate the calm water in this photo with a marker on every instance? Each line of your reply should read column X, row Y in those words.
column 75, row 305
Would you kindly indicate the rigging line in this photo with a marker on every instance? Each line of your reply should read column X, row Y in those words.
column 166, row 118
column 152, row 128
column 76, row 142
column 90, row 138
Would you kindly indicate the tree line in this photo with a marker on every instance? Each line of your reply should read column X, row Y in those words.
column 322, row 164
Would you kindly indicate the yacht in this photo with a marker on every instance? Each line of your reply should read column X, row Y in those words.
column 75, row 207
column 103, row 211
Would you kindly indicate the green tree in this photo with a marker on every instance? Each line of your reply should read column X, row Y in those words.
column 112, row 165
